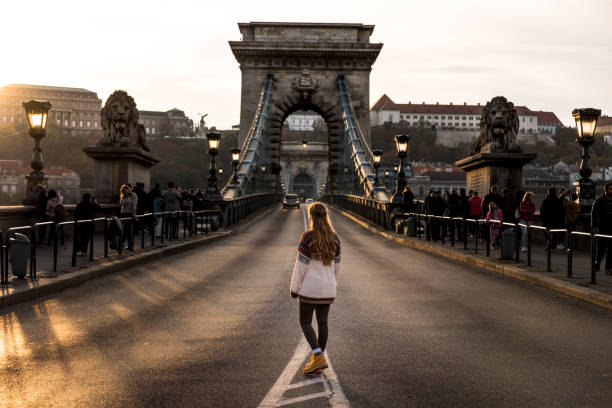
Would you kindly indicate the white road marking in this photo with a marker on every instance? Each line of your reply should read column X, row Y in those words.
column 303, row 398
column 331, row 384
column 305, row 383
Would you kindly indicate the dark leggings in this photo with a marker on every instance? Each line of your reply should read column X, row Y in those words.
column 322, row 311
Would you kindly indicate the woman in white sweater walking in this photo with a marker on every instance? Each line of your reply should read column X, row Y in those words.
column 314, row 280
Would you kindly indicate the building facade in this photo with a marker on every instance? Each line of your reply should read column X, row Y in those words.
column 11, row 189
column 172, row 123
column 454, row 117
column 301, row 122
column 75, row 111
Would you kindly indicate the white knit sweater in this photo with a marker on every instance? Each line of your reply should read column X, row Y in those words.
column 312, row 281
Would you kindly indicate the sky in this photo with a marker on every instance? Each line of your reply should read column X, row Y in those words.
column 552, row 55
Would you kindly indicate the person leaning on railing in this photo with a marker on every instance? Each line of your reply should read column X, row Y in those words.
column 601, row 223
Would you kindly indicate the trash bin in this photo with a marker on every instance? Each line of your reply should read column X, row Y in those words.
column 410, row 227
column 20, row 254
column 508, row 242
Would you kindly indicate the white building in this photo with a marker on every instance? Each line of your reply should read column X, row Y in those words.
column 457, row 117
column 301, row 122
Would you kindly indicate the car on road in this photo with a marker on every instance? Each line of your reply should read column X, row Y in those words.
column 291, row 200
column 309, row 201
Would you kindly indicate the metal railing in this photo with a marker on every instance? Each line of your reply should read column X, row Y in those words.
column 473, row 231
column 143, row 231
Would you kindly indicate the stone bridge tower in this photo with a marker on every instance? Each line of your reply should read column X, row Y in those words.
column 305, row 60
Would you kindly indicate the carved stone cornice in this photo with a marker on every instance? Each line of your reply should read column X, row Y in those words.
column 259, row 54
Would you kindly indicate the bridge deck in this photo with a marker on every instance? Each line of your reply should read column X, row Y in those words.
column 216, row 327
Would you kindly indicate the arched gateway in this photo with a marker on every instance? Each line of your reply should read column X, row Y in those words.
column 288, row 67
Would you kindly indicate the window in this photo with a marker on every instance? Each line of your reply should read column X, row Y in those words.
column 422, row 117
column 88, row 123
column 463, row 118
column 457, row 124
column 12, row 119
column 147, row 131
column 153, row 131
column 530, row 119
column 4, row 119
column 443, row 124
column 80, row 123
column 435, row 117
column 4, row 188
column 74, row 123
column 58, row 122
column 95, row 123
column 415, row 123
column 65, row 122
column 464, row 125
column 456, row 117
column 13, row 189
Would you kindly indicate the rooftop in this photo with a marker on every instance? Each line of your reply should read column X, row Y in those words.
column 47, row 88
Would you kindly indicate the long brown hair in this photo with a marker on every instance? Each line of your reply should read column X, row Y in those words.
column 323, row 242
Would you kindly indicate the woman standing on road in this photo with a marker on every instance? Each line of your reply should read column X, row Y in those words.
column 314, row 280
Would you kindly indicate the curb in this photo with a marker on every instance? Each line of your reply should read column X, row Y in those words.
column 588, row 295
column 76, row 278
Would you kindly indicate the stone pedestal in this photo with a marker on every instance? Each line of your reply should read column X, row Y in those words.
column 505, row 169
column 119, row 165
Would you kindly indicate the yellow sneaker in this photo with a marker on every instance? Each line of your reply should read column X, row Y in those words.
column 316, row 364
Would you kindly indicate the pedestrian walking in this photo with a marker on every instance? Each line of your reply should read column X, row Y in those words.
column 408, row 200
column 128, row 203
column 552, row 215
column 601, row 223
column 475, row 205
column 85, row 210
column 173, row 203
column 159, row 206
column 571, row 208
column 526, row 211
column 464, row 212
column 494, row 214
column 314, row 280
column 56, row 212
column 436, row 207
column 508, row 207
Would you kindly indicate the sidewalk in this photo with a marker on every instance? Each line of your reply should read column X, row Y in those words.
column 578, row 286
column 47, row 281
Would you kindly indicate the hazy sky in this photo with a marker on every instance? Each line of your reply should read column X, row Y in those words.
column 547, row 54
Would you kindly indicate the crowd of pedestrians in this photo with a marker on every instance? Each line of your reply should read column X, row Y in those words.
column 557, row 211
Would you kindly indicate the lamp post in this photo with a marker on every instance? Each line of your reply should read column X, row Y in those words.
column 586, row 122
column 401, row 142
column 376, row 155
column 36, row 112
column 212, row 190
column 304, row 144
column 235, row 160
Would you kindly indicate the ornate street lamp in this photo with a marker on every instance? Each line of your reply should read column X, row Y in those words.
column 212, row 190
column 37, row 113
column 401, row 142
column 304, row 144
column 376, row 156
column 586, row 122
column 235, row 160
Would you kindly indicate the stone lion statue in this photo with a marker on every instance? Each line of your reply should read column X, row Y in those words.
column 499, row 125
column 119, row 120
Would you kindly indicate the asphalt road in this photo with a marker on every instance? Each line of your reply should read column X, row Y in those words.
column 215, row 327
